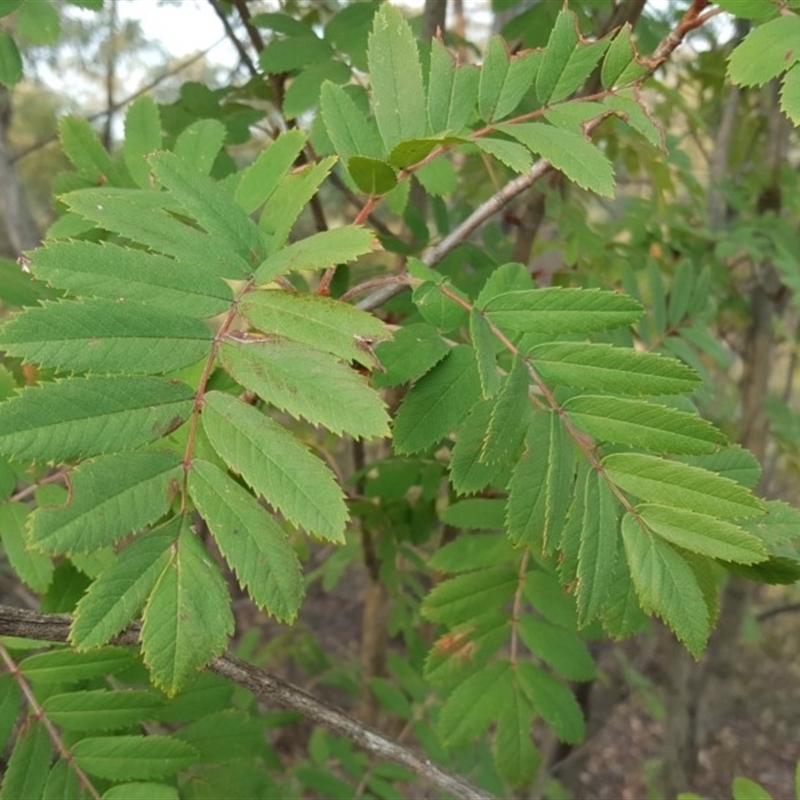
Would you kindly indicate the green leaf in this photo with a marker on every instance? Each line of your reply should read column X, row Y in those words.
column 475, row 551
column 350, row 131
column 118, row 594
column 779, row 526
column 10, row 700
column 39, row 23
column 602, row 367
column 62, row 782
column 284, row 55
column 563, row 650
column 479, row 513
column 438, row 402
column 187, row 619
column 704, row 534
column 34, row 569
column 486, row 347
column 275, row 465
column 413, row 351
column 84, row 149
column 66, row 666
column 229, row 735
column 510, row 416
column 452, row 91
column 142, row 137
column 474, row 703
column 101, row 709
column 666, row 585
column 111, row 497
column 569, row 152
column 106, row 336
column 263, row 176
column 745, row 789
column 560, row 311
column 114, row 272
column 468, row 473
column 468, row 596
column 672, row 483
column 148, row 218
column 319, row 322
column 778, row 570
column 790, row 94
column 298, row 380
column 304, row 91
column 253, row 543
column 631, row 110
column 621, row 65
column 553, row 701
column 284, row 205
column 200, row 143
column 539, row 490
column 122, row 758
column 582, row 62
column 512, row 154
column 318, row 251
column 10, row 60
column 598, row 550
column 372, row 175
column 437, row 308
column 637, row 423
column 494, row 72
column 732, row 462
column 210, row 205
column 81, row 417
column 26, row 769
column 515, row 756
column 766, row 52
column 141, row 791
column 562, row 42
column 398, row 95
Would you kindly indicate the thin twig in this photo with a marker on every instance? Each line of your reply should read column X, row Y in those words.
column 234, row 39
column 55, row 628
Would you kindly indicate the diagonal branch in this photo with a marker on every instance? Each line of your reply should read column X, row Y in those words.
column 55, row 628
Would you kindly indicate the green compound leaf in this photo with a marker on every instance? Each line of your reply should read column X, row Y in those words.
column 298, row 380
column 569, row 152
column 320, row 322
column 210, row 205
column 350, row 131
column 560, row 311
column 253, row 544
column 113, row 272
column 598, row 550
column 475, row 703
column 101, row 709
column 672, row 483
column 637, row 423
column 438, row 402
column 142, row 137
column 132, row 757
column 601, row 367
column 319, row 251
column 187, row 619
column 119, row 592
column 452, row 91
column 147, row 217
column 111, row 497
column 666, row 585
column 398, row 94
column 766, row 52
column 276, row 465
column 81, row 417
column 553, row 701
column 106, row 336
column 701, row 533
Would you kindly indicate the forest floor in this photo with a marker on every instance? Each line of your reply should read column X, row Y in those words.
column 757, row 735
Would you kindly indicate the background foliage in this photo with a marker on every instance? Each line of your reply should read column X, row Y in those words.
column 456, row 327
